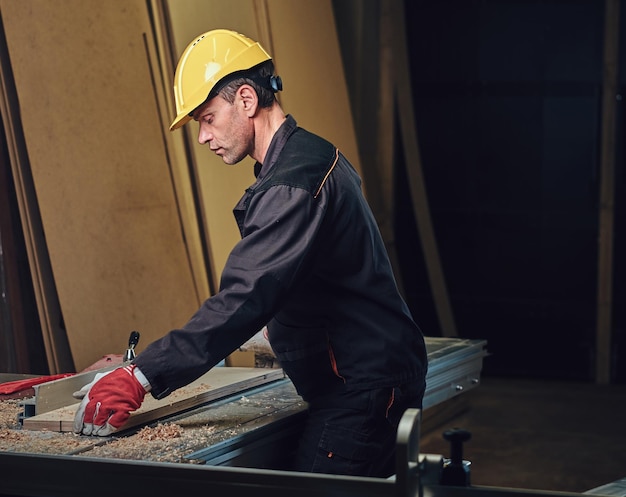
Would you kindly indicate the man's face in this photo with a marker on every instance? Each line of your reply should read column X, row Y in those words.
column 225, row 128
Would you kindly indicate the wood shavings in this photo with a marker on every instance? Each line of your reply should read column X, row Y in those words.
column 14, row 439
column 41, row 442
column 191, row 391
column 9, row 436
column 160, row 432
column 9, row 410
column 167, row 442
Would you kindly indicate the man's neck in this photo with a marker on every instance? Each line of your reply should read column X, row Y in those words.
column 266, row 124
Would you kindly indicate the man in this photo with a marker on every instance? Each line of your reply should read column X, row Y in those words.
column 311, row 265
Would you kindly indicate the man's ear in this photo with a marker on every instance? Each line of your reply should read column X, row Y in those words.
column 249, row 99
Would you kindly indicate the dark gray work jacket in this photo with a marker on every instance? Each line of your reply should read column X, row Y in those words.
column 311, row 265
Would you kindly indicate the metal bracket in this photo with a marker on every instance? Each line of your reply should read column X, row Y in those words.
column 413, row 470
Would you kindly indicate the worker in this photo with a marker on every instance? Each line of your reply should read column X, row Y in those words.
column 311, row 265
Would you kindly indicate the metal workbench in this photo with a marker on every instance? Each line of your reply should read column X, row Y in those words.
column 253, row 431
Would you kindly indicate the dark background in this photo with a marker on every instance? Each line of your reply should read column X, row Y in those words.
column 508, row 106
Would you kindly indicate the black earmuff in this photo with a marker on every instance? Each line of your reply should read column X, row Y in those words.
column 276, row 83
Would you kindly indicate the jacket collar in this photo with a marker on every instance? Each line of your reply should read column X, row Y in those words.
column 276, row 145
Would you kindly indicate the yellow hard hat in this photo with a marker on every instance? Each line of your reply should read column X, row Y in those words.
column 206, row 60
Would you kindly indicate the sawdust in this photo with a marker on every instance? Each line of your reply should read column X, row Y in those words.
column 189, row 391
column 9, row 410
column 160, row 432
column 14, row 439
column 166, row 442
column 42, row 442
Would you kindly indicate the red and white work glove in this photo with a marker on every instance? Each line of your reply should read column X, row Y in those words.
column 109, row 400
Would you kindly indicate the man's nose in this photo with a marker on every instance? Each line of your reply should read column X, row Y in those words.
column 203, row 135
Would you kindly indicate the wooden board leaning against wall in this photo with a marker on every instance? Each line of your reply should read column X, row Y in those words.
column 102, row 180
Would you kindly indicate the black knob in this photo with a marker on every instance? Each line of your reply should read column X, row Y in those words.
column 456, row 471
column 133, row 340
column 456, row 437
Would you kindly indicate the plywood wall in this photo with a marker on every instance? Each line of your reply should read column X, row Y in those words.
column 103, row 184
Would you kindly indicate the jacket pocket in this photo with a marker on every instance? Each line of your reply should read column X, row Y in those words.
column 304, row 356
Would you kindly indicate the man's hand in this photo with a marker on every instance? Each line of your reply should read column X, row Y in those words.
column 108, row 402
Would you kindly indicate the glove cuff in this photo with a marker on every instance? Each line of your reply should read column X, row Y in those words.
column 140, row 377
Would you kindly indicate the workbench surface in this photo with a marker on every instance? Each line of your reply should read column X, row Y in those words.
column 231, row 429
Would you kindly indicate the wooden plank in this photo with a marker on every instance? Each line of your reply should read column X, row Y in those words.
column 367, row 55
column 217, row 383
column 607, row 194
column 14, row 347
column 162, row 64
column 316, row 94
column 215, row 187
column 58, row 393
column 57, row 349
column 421, row 209
column 386, row 138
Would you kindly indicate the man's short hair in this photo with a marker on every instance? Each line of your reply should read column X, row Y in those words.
column 252, row 77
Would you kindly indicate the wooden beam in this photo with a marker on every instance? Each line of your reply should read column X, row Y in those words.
column 421, row 210
column 58, row 354
column 365, row 41
column 385, row 139
column 178, row 155
column 13, row 344
column 607, row 194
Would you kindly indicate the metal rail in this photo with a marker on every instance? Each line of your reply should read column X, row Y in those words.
column 76, row 476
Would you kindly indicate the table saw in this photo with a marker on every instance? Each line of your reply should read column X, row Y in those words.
column 244, row 437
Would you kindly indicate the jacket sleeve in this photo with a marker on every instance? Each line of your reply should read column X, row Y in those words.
column 279, row 229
